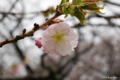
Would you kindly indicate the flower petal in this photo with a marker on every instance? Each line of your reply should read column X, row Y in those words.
column 62, row 28
column 71, row 36
column 63, row 49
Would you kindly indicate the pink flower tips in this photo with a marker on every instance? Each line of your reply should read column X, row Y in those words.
column 58, row 39
column 38, row 42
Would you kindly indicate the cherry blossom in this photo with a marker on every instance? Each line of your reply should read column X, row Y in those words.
column 58, row 39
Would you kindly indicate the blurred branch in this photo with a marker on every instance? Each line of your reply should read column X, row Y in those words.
column 42, row 62
column 24, row 13
column 4, row 15
column 111, row 3
column 65, row 74
column 31, row 77
column 111, row 25
column 108, row 17
column 51, row 73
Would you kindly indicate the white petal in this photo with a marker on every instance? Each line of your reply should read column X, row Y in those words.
column 63, row 49
column 71, row 36
column 48, row 33
column 74, row 43
column 48, row 44
column 63, row 28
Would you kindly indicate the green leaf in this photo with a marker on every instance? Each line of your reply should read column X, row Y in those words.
column 61, row 4
column 93, row 7
column 78, row 8
column 63, row 1
column 76, row 2
column 79, row 14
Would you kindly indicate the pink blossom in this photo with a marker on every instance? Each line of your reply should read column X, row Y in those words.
column 59, row 39
column 38, row 42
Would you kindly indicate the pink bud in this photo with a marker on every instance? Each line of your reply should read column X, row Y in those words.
column 38, row 42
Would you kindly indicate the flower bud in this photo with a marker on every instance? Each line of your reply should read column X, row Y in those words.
column 38, row 42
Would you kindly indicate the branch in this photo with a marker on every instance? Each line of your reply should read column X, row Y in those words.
column 112, row 3
column 24, row 13
column 30, row 77
column 30, row 33
column 108, row 17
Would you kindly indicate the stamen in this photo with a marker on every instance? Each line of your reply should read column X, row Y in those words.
column 58, row 38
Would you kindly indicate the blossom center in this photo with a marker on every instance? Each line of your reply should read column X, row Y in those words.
column 57, row 37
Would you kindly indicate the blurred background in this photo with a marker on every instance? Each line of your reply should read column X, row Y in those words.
column 96, row 57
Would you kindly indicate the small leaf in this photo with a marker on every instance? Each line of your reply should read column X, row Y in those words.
column 79, row 14
column 61, row 4
column 76, row 2
column 77, row 8
column 93, row 7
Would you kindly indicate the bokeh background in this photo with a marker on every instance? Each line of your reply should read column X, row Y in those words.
column 96, row 57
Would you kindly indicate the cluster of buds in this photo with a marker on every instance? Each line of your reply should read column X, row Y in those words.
column 78, row 8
